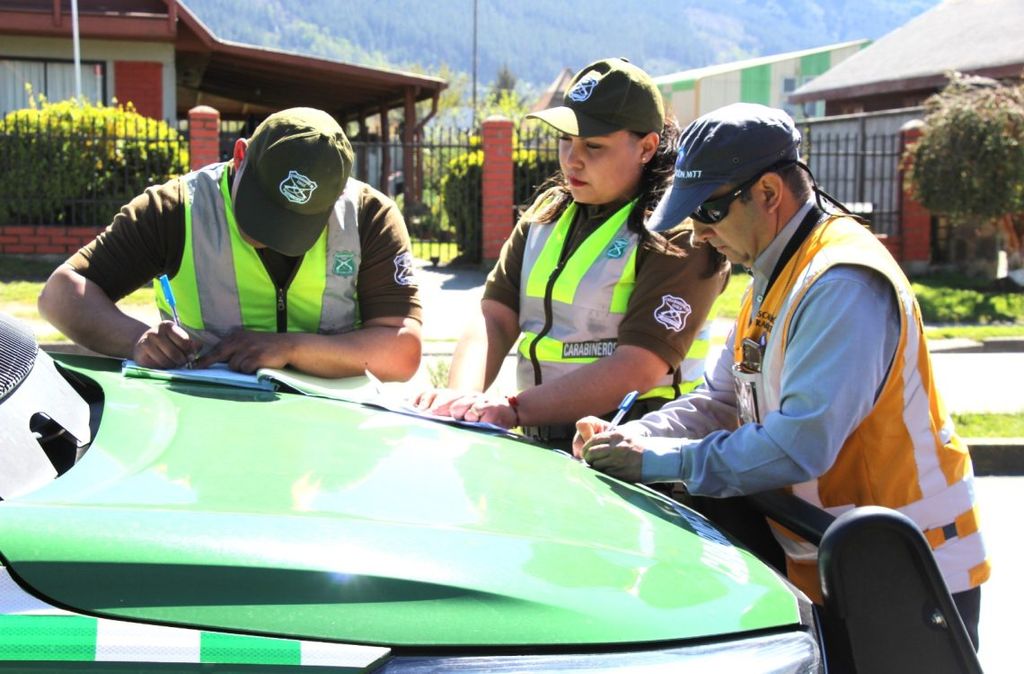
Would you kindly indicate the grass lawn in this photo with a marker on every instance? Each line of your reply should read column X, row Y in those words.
column 21, row 281
column 970, row 425
column 962, row 303
column 976, row 332
column 728, row 303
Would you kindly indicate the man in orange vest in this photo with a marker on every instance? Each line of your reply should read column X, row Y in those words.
column 825, row 385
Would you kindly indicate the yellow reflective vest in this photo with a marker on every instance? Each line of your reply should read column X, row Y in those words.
column 570, row 311
column 222, row 284
column 905, row 454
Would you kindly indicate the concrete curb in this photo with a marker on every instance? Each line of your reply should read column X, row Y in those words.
column 988, row 345
column 997, row 456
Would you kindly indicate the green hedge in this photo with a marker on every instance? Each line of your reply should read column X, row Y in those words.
column 462, row 189
column 945, row 304
column 77, row 163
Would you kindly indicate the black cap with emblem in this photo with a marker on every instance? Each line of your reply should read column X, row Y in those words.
column 295, row 168
column 606, row 96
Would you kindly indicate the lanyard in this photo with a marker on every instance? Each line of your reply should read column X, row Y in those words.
column 812, row 218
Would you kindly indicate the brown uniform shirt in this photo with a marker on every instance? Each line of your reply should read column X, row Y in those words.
column 147, row 239
column 689, row 274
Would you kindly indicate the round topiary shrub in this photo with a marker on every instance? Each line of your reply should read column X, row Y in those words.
column 969, row 161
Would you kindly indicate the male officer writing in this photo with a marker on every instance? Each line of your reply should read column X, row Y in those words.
column 276, row 258
column 825, row 384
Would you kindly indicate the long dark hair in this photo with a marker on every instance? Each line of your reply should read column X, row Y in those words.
column 553, row 196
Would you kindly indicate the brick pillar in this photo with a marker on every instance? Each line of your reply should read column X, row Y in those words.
column 497, row 198
column 915, row 249
column 203, row 136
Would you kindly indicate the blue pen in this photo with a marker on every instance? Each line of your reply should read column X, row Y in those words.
column 165, row 284
column 624, row 406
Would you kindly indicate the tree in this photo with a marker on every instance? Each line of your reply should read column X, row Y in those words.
column 505, row 81
column 969, row 161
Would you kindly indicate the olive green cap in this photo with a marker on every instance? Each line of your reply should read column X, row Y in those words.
column 295, row 169
column 606, row 96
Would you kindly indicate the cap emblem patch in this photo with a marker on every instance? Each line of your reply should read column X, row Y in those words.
column 684, row 173
column 297, row 188
column 583, row 89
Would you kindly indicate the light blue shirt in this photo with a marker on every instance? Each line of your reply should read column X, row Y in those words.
column 842, row 340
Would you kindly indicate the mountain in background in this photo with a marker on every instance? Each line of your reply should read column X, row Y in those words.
column 536, row 39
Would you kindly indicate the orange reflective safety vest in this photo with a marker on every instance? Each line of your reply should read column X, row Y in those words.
column 905, row 454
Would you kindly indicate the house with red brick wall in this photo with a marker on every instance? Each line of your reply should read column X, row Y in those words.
column 891, row 78
column 161, row 57
column 157, row 55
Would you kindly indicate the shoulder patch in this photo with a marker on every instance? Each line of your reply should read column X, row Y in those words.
column 672, row 312
column 404, row 274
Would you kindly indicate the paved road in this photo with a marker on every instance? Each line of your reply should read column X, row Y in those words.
column 980, row 382
column 1003, row 596
column 970, row 382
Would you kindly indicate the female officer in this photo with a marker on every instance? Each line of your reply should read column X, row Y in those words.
column 603, row 306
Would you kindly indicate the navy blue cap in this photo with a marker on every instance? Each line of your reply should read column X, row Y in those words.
column 724, row 147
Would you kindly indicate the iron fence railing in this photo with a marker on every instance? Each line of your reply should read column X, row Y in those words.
column 535, row 162
column 79, row 173
column 441, row 195
column 862, row 171
column 857, row 159
column 230, row 131
column 439, row 231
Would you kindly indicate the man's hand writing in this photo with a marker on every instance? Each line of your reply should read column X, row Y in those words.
column 247, row 351
column 609, row 451
column 164, row 346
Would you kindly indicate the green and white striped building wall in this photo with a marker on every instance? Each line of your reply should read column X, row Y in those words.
column 767, row 80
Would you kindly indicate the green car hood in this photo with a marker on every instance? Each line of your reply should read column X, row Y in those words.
column 280, row 514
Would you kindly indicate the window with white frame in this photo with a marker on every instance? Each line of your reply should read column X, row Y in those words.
column 55, row 79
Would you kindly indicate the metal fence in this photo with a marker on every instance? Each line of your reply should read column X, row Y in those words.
column 56, row 172
column 79, row 172
column 440, row 195
column 862, row 172
column 419, row 189
column 856, row 158
column 535, row 161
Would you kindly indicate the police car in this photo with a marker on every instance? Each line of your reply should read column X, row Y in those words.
column 150, row 525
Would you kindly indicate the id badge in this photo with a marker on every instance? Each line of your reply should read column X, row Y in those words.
column 747, row 390
column 747, row 377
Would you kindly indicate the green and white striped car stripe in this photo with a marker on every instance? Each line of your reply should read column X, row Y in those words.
column 31, row 630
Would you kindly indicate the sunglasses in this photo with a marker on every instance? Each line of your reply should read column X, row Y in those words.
column 715, row 210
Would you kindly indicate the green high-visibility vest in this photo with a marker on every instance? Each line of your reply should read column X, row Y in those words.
column 222, row 284
column 569, row 316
